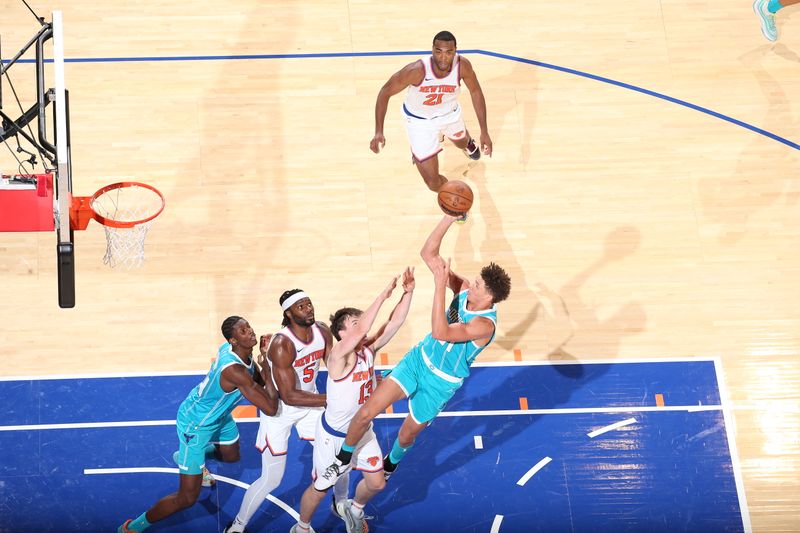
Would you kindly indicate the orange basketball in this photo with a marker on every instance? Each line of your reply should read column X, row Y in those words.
column 455, row 198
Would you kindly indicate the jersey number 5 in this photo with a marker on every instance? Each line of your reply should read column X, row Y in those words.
column 308, row 374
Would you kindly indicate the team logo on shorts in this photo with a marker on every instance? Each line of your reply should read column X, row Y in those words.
column 373, row 461
column 188, row 437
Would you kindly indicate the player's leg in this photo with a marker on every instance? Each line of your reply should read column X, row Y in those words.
column 406, row 438
column 429, row 170
column 273, row 442
column 423, row 136
column 430, row 398
column 227, row 442
column 367, row 458
column 385, row 395
column 454, row 128
column 191, row 458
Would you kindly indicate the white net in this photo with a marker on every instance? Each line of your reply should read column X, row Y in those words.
column 129, row 204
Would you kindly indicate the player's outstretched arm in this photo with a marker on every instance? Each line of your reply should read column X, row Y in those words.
column 366, row 320
column 398, row 315
column 478, row 328
column 237, row 376
column 282, row 353
column 430, row 253
column 478, row 102
column 413, row 73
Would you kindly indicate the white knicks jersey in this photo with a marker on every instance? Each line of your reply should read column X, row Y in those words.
column 306, row 364
column 434, row 97
column 347, row 394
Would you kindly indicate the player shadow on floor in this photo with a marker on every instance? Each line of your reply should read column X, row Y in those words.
column 420, row 471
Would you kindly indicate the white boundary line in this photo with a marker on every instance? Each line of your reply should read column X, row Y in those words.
column 733, row 451
column 157, row 470
column 611, row 427
column 529, row 474
column 498, row 519
column 379, row 367
column 499, row 412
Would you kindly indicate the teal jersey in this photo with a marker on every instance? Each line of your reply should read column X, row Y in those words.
column 455, row 358
column 208, row 403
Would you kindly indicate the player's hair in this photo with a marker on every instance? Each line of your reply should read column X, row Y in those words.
column 282, row 299
column 338, row 318
column 228, row 325
column 497, row 281
column 445, row 36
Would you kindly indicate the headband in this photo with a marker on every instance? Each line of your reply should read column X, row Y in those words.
column 293, row 299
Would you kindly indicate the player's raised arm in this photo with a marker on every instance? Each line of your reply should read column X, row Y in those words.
column 478, row 102
column 282, row 353
column 413, row 73
column 398, row 315
column 478, row 328
column 365, row 321
column 430, row 253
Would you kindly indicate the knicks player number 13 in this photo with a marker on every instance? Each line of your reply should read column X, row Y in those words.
column 366, row 391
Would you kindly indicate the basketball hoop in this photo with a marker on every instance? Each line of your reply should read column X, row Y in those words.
column 126, row 210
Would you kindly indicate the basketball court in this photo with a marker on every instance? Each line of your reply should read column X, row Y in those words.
column 643, row 195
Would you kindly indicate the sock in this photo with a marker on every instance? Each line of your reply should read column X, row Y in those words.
column 303, row 526
column 272, row 468
column 140, row 524
column 398, row 452
column 774, row 6
column 345, row 455
column 357, row 508
column 236, row 526
column 341, row 487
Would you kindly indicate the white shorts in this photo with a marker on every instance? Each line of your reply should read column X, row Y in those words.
column 423, row 134
column 366, row 457
column 273, row 431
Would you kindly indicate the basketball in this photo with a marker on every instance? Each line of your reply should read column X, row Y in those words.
column 455, row 198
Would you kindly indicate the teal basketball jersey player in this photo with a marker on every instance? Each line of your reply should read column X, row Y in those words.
column 205, row 422
column 433, row 370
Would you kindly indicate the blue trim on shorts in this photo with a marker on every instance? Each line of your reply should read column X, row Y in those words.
column 410, row 114
column 330, row 430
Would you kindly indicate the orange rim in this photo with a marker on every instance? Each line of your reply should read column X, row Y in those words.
column 125, row 224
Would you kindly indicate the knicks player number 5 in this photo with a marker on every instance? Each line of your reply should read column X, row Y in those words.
column 308, row 374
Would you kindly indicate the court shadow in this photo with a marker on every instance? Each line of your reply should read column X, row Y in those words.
column 761, row 178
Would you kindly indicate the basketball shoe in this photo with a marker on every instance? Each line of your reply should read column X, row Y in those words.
column 767, row 19
column 473, row 151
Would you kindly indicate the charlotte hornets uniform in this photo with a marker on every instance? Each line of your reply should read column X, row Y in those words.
column 431, row 108
column 432, row 371
column 205, row 417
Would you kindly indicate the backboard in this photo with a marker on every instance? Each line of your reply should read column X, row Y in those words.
column 31, row 198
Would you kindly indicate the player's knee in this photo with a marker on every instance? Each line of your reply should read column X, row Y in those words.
column 230, row 454
column 375, row 483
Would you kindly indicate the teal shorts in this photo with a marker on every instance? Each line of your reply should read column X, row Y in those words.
column 194, row 440
column 427, row 393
